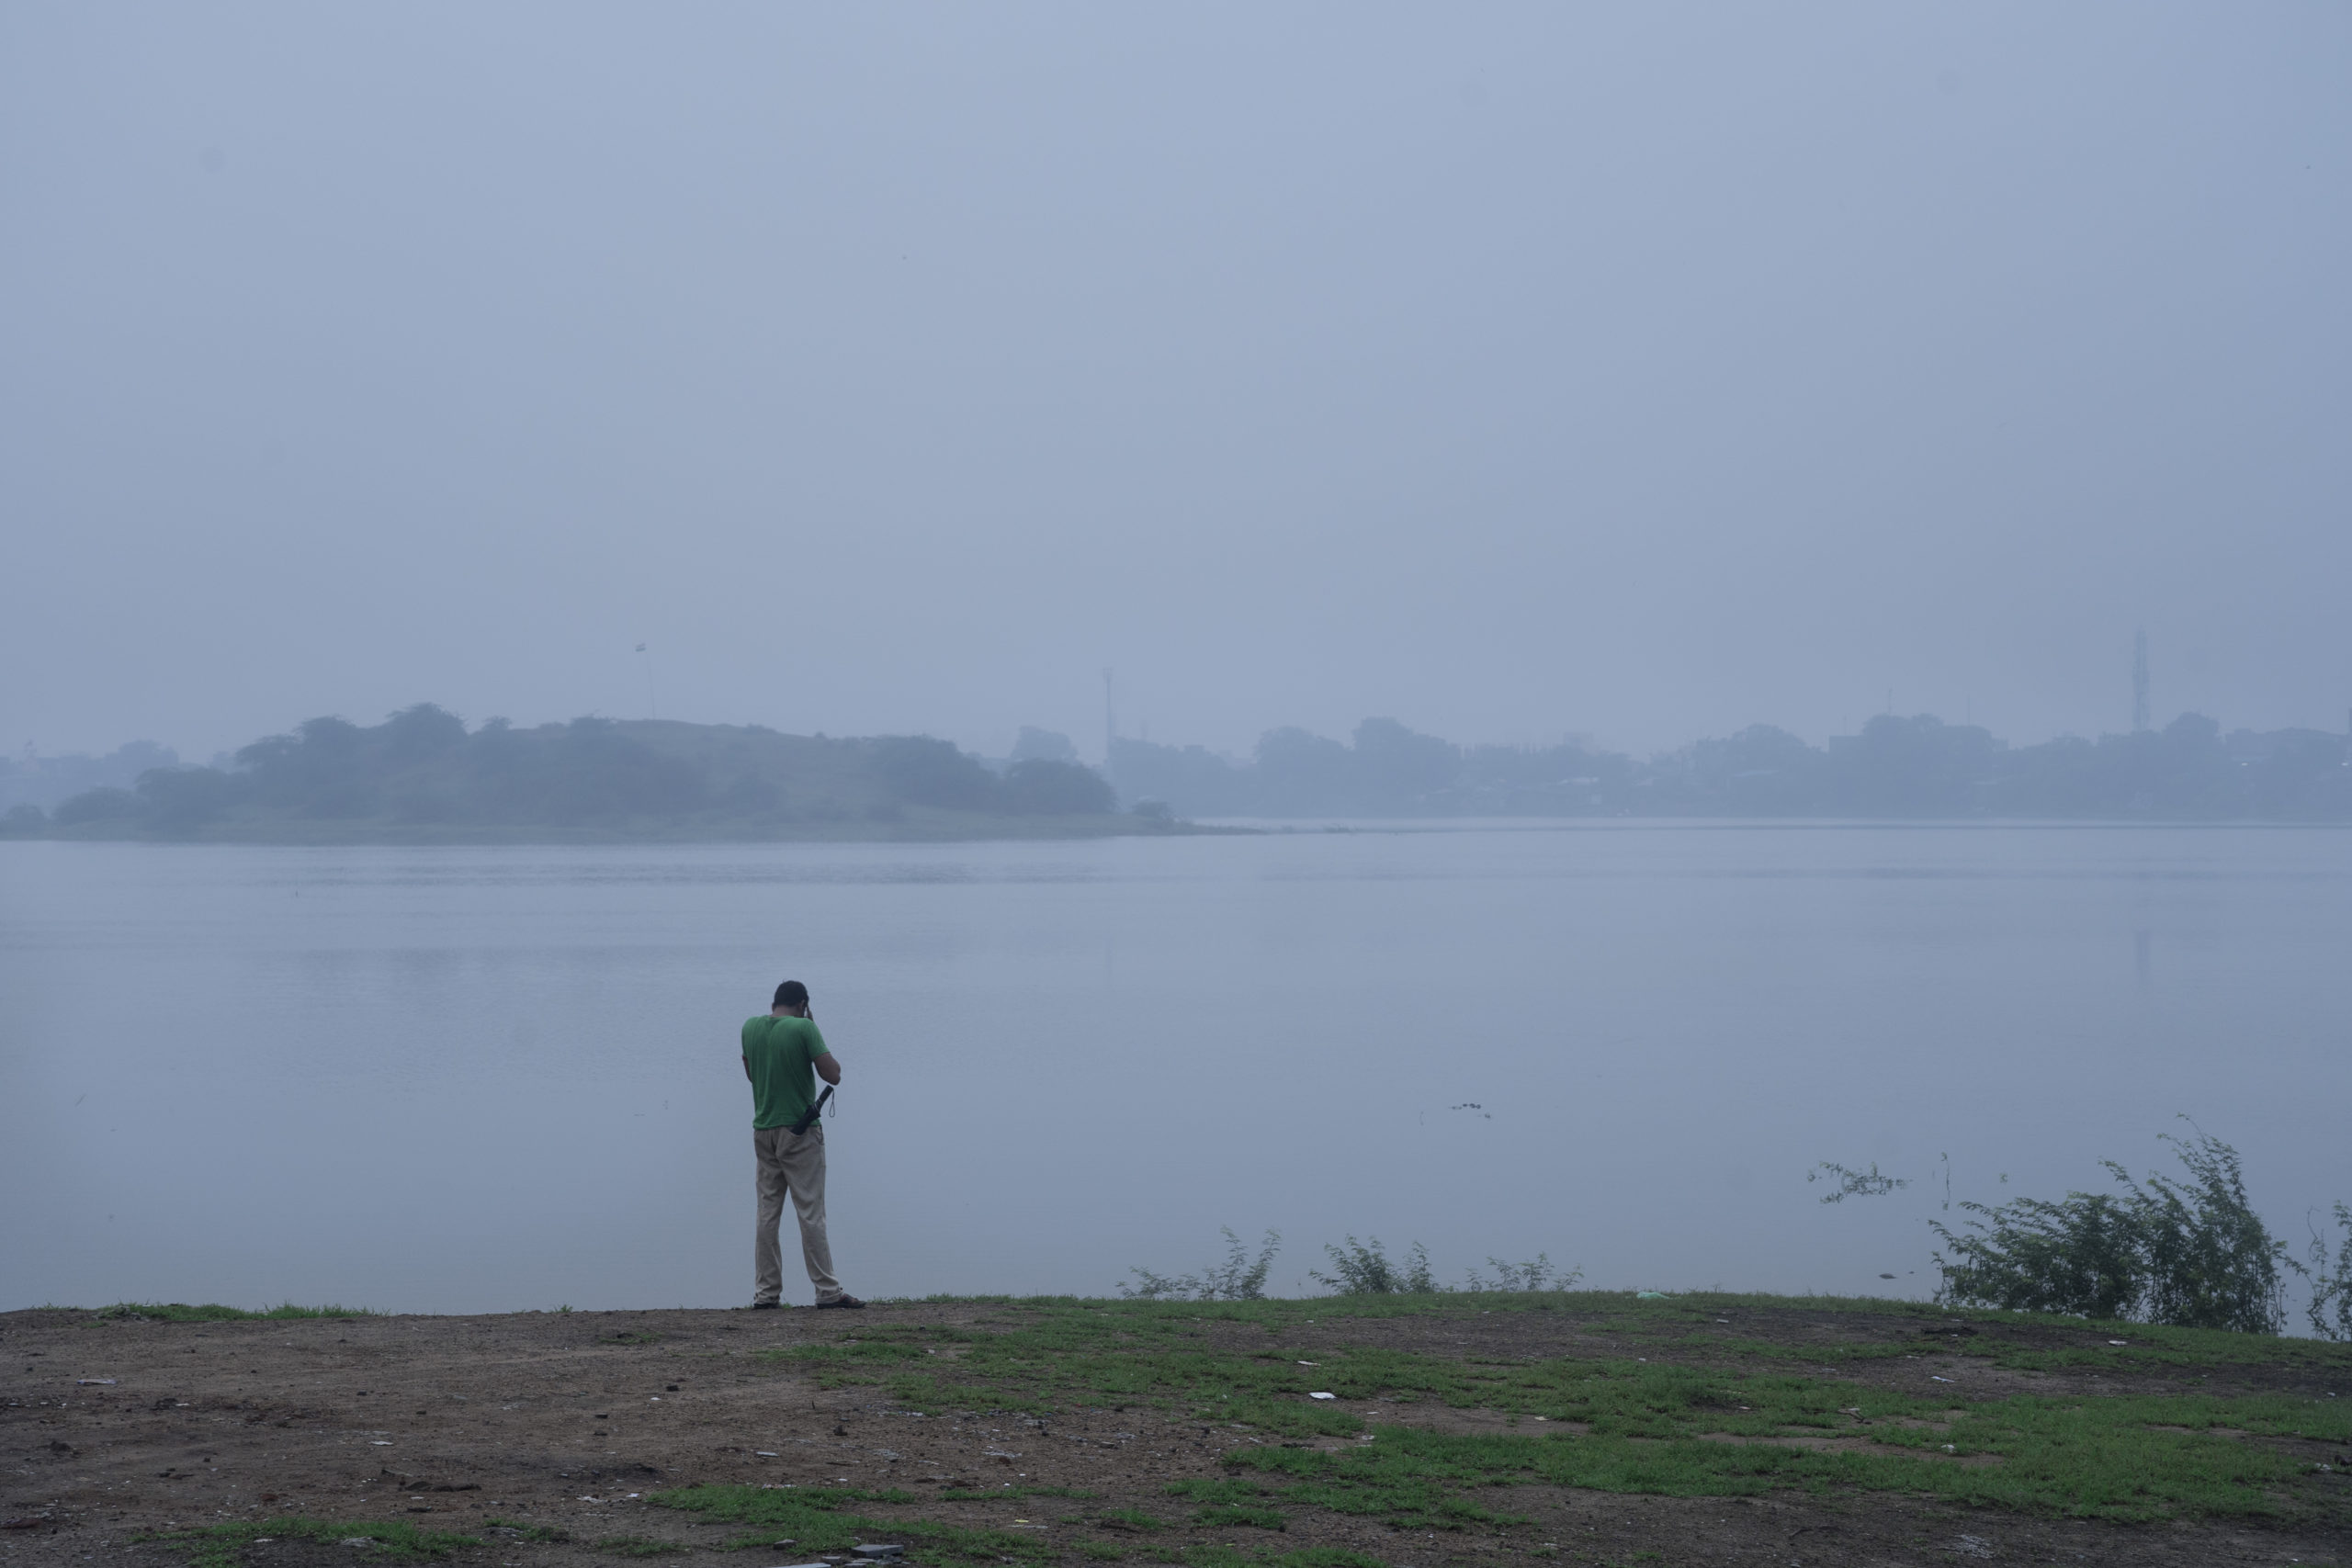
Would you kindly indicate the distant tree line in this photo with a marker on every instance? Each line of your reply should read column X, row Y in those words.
column 31, row 780
column 422, row 767
column 1896, row 767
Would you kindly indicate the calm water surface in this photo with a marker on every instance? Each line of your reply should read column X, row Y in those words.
column 459, row 1079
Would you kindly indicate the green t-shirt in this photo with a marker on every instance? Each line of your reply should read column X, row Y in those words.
column 781, row 1052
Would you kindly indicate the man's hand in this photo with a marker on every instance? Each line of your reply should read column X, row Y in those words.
column 827, row 1068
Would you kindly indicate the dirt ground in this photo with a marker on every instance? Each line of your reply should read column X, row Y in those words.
column 111, row 1427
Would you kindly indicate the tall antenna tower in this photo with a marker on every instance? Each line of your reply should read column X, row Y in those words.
column 2140, row 681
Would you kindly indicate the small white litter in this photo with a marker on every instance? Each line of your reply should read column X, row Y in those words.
column 1322, row 1397
column 2119, row 1342
column 762, row 1453
column 1937, row 1379
column 95, row 1382
column 1307, row 1363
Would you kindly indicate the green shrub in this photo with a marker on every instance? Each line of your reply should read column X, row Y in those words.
column 1363, row 1269
column 2192, row 1254
column 1238, row 1278
column 1536, row 1275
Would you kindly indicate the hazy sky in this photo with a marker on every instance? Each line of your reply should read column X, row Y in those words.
column 1640, row 370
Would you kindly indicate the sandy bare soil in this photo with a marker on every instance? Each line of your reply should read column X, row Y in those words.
column 566, row 1421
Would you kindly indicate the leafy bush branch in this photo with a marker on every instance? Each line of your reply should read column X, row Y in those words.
column 2331, row 1306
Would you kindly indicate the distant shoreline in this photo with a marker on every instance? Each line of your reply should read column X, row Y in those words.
column 917, row 829
column 956, row 828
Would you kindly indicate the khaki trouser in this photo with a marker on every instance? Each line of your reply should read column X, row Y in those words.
column 791, row 1163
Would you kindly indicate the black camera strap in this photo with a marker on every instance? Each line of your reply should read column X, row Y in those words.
column 809, row 1118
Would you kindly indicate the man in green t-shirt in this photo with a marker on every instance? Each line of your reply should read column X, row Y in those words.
column 784, row 1056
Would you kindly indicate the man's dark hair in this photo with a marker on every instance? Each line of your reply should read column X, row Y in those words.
column 792, row 994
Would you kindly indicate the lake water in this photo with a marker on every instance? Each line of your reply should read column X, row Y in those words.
column 466, row 1080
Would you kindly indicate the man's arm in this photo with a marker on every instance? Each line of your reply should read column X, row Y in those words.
column 821, row 1056
column 747, row 1071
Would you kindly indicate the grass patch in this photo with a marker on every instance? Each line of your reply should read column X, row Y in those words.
column 818, row 1519
column 216, row 1546
column 2107, row 1458
column 1651, row 1425
column 1130, row 1518
column 1074, row 1352
column 213, row 1312
column 1310, row 1557
column 1227, row 1514
column 1232, row 1489
column 2147, row 1345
